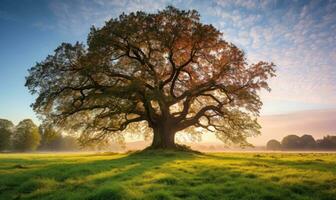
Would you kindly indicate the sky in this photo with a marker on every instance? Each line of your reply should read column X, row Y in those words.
column 298, row 36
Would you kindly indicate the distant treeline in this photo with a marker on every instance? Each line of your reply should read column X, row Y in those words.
column 305, row 142
column 27, row 136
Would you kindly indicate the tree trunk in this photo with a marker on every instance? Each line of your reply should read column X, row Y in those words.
column 164, row 137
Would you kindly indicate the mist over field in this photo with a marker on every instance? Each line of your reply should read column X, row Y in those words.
column 317, row 123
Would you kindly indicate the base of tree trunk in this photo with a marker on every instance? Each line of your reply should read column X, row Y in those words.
column 176, row 147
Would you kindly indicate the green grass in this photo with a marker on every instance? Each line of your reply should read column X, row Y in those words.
column 168, row 175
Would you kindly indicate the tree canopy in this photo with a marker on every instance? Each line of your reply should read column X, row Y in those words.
column 26, row 136
column 291, row 142
column 166, row 71
column 305, row 142
column 6, row 131
column 273, row 145
column 328, row 142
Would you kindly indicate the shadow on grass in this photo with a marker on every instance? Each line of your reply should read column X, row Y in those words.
column 158, row 175
column 79, row 176
column 264, row 161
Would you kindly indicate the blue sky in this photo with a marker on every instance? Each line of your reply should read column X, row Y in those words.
column 298, row 36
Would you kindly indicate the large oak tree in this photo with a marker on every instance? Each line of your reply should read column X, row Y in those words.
column 166, row 69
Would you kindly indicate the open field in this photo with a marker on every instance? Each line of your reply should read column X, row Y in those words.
column 168, row 175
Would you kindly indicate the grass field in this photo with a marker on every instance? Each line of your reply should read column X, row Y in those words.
column 168, row 175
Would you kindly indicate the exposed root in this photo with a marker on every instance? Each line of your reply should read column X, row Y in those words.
column 176, row 147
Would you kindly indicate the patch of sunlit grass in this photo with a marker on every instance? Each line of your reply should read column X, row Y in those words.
column 168, row 175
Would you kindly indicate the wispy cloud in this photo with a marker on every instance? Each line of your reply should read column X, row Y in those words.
column 77, row 16
column 299, row 36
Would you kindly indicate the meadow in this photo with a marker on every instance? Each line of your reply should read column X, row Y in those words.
column 168, row 175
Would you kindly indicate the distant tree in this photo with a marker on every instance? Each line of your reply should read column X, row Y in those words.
column 291, row 142
column 273, row 145
column 51, row 139
column 307, row 142
column 6, row 131
column 327, row 143
column 26, row 136
column 167, row 71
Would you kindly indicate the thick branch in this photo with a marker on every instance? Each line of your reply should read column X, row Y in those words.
column 195, row 119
